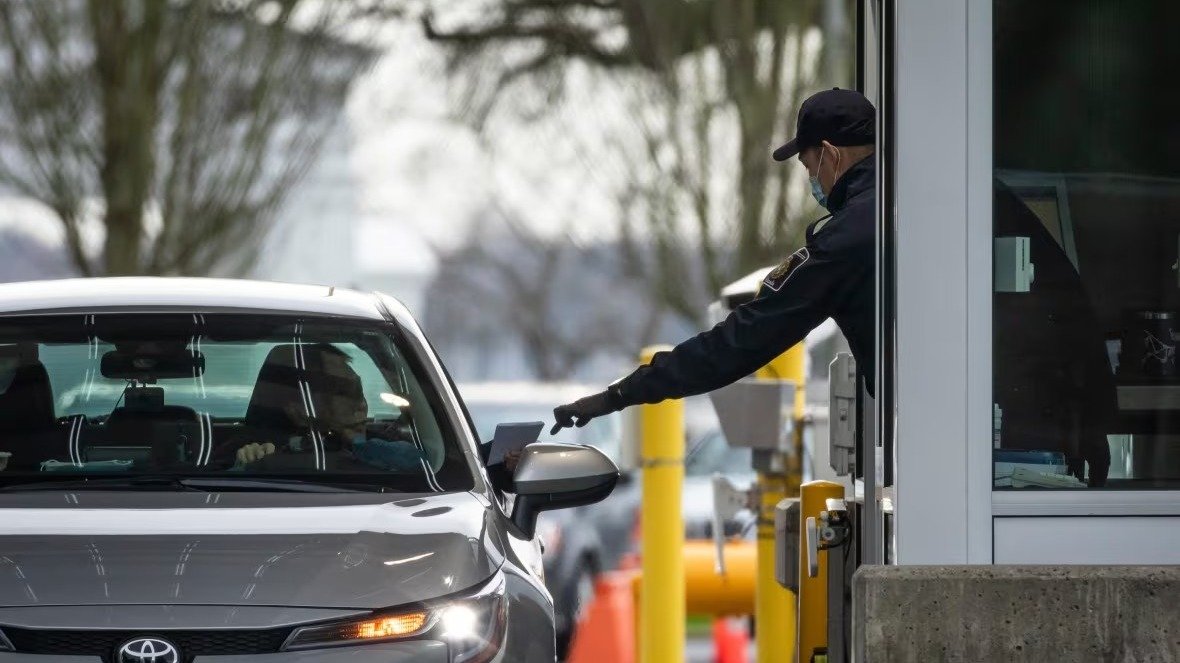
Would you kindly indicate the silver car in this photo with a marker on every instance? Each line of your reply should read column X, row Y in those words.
column 213, row 471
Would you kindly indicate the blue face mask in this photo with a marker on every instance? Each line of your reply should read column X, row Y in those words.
column 817, row 190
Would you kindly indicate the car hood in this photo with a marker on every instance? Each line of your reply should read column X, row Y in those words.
column 342, row 556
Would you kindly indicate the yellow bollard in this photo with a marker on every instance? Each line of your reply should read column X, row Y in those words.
column 774, row 605
column 661, row 606
column 813, row 592
column 790, row 365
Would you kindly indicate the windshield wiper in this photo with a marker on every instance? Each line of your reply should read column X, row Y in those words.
column 143, row 482
column 250, row 484
column 196, row 484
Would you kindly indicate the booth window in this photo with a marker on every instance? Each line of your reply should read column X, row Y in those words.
column 1086, row 220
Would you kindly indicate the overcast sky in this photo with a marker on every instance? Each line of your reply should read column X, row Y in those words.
column 421, row 168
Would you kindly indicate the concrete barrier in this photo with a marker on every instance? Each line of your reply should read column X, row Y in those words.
column 1043, row 614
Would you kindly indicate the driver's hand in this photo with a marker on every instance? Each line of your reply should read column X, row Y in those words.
column 512, row 459
column 254, row 452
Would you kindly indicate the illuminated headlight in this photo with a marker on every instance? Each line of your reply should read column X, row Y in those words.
column 386, row 627
column 471, row 625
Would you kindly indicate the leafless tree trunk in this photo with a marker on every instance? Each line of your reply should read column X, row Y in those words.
column 559, row 302
column 186, row 122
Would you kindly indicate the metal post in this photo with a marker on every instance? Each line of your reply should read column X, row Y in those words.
column 872, row 520
column 662, row 598
column 774, row 605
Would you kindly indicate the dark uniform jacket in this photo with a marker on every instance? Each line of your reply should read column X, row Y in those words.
column 831, row 277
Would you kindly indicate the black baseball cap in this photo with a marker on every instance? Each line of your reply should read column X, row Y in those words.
column 841, row 117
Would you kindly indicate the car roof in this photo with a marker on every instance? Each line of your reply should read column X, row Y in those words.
column 195, row 294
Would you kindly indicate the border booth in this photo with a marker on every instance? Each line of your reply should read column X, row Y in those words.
column 1013, row 490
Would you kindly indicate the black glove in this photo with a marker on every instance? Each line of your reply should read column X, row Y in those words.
column 580, row 412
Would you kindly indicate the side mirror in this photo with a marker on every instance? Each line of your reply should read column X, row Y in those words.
column 554, row 475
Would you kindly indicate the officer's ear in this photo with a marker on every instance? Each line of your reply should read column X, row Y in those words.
column 832, row 154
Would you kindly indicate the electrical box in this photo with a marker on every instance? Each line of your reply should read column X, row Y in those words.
column 786, row 543
column 842, row 414
column 1014, row 271
column 757, row 414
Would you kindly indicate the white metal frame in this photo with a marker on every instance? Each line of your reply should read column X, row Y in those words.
column 942, row 500
column 979, row 282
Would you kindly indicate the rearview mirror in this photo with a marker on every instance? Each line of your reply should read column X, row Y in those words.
column 555, row 475
column 120, row 365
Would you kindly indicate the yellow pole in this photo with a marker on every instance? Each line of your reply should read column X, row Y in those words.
column 813, row 592
column 774, row 605
column 661, row 601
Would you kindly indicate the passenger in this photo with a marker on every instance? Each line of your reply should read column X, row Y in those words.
column 27, row 425
column 340, row 416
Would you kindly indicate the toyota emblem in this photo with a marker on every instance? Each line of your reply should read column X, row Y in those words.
column 149, row 650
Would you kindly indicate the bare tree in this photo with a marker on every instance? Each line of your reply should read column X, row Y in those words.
column 561, row 303
column 186, row 121
column 715, row 86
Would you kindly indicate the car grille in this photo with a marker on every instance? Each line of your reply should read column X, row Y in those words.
column 102, row 643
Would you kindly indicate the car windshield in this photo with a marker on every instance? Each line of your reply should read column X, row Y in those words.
column 603, row 432
column 221, row 396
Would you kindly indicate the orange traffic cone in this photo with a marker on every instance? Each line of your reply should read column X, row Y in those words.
column 629, row 562
column 731, row 642
column 606, row 632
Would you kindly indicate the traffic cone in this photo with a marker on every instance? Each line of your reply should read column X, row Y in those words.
column 629, row 562
column 731, row 642
column 606, row 632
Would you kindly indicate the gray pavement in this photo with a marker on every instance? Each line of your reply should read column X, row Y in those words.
column 698, row 650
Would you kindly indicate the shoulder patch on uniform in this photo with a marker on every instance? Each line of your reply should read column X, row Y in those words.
column 776, row 279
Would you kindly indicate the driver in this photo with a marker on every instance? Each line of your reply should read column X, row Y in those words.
column 339, row 416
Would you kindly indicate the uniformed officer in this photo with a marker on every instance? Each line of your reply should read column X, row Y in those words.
column 831, row 277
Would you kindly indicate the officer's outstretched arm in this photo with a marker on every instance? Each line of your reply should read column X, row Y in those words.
column 794, row 299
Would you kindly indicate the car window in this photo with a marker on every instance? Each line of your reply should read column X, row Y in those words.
column 186, row 393
column 223, row 391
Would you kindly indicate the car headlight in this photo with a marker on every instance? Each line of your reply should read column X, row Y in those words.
column 471, row 625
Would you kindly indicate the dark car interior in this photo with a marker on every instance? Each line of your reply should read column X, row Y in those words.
column 157, row 375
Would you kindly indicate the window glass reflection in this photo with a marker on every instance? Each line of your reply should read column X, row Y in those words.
column 1086, row 216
